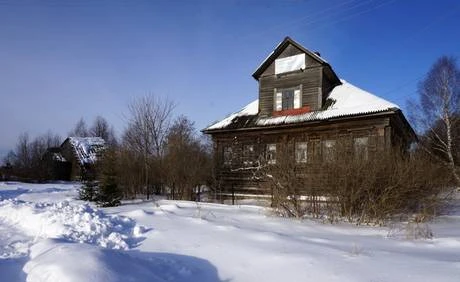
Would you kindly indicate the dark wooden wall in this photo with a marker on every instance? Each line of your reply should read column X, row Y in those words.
column 310, row 80
column 235, row 178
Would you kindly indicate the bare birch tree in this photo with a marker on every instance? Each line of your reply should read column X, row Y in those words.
column 436, row 114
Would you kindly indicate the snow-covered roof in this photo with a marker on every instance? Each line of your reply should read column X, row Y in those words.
column 87, row 149
column 249, row 110
column 346, row 100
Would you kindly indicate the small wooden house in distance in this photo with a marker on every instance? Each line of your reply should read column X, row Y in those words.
column 302, row 104
column 82, row 153
column 58, row 168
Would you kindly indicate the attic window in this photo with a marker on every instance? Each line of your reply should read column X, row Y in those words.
column 287, row 98
column 289, row 64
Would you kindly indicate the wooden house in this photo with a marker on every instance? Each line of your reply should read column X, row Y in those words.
column 303, row 103
column 57, row 167
column 82, row 153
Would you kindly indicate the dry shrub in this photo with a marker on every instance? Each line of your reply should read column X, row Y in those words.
column 386, row 186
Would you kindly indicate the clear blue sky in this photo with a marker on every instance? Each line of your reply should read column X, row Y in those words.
column 62, row 60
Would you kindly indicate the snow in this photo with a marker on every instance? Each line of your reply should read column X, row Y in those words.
column 87, row 148
column 249, row 110
column 46, row 235
column 348, row 100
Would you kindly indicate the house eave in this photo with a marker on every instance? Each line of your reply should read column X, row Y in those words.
column 301, row 124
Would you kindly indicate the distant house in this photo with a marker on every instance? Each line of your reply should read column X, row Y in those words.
column 302, row 104
column 58, row 167
column 75, row 159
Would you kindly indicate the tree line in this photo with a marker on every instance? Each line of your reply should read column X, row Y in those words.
column 156, row 153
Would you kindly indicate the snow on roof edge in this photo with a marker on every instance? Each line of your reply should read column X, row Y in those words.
column 248, row 110
column 349, row 100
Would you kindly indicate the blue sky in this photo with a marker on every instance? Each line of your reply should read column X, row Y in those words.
column 62, row 60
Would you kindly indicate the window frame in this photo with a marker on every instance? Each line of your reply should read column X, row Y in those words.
column 328, row 152
column 248, row 155
column 270, row 153
column 298, row 154
column 227, row 155
column 279, row 98
column 361, row 147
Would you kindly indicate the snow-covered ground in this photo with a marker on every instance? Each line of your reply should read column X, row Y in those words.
column 47, row 235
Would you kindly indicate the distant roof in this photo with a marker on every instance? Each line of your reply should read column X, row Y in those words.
column 87, row 149
column 345, row 100
column 277, row 51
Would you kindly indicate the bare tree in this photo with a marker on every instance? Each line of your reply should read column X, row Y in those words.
column 101, row 128
column 80, row 129
column 148, row 126
column 27, row 158
column 186, row 160
column 437, row 112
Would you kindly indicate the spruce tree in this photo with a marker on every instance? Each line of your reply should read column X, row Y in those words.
column 109, row 192
column 88, row 191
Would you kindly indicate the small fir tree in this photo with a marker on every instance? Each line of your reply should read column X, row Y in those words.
column 88, row 191
column 109, row 193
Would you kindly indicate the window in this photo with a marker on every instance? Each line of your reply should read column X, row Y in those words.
column 361, row 148
column 287, row 98
column 228, row 154
column 271, row 153
column 329, row 150
column 315, row 150
column 301, row 152
column 248, row 154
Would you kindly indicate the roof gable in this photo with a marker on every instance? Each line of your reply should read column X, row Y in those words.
column 279, row 49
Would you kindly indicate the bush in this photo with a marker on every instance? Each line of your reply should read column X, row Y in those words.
column 388, row 185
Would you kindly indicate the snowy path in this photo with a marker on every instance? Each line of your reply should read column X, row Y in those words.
column 13, row 252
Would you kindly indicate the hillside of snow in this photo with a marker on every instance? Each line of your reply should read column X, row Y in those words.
column 47, row 235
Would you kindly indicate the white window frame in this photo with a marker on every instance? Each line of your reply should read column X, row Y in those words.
column 328, row 150
column 227, row 155
column 361, row 147
column 271, row 153
column 248, row 154
column 278, row 98
column 301, row 152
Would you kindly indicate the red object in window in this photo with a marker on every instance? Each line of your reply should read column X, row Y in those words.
column 292, row 112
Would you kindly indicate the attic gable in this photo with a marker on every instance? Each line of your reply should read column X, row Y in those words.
column 288, row 56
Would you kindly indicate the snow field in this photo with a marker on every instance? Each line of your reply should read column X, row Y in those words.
column 47, row 236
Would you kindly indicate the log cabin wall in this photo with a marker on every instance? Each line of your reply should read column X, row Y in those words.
column 237, row 177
